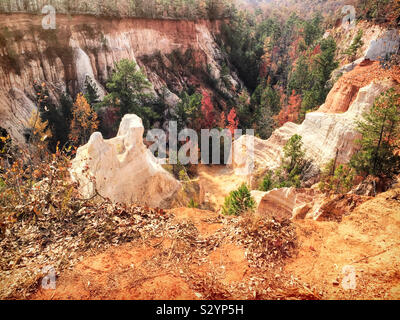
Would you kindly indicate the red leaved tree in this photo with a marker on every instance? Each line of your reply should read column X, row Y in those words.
column 233, row 122
column 207, row 111
column 290, row 113
column 222, row 120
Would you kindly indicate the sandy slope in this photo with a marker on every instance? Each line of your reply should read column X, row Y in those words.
column 217, row 182
column 368, row 240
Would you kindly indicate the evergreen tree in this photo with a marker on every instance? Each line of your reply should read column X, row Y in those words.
column 323, row 65
column 293, row 154
column 187, row 111
column 312, row 29
column 238, row 202
column 91, row 94
column 127, row 92
column 380, row 129
column 356, row 44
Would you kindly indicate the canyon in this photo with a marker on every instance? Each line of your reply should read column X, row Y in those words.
column 329, row 132
column 84, row 46
column 175, row 250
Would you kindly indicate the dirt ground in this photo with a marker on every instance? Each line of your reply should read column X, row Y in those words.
column 133, row 272
column 366, row 242
column 217, row 182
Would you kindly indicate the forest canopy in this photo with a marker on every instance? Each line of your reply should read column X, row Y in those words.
column 166, row 9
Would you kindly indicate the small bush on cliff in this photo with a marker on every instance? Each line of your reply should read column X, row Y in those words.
column 239, row 201
column 290, row 172
column 380, row 142
column 338, row 179
column 356, row 44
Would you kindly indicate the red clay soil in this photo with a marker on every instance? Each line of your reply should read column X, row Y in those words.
column 132, row 272
column 345, row 90
column 368, row 239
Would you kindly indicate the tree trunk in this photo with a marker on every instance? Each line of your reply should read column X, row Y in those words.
column 379, row 144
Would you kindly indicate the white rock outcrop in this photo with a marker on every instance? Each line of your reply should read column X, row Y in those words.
column 123, row 169
column 283, row 203
column 296, row 204
column 384, row 46
column 378, row 44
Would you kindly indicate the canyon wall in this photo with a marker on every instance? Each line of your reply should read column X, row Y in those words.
column 328, row 133
column 172, row 53
column 377, row 43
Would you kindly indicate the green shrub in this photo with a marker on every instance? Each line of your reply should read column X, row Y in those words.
column 239, row 201
column 268, row 182
column 2, row 185
column 289, row 174
column 193, row 204
column 337, row 179
column 183, row 176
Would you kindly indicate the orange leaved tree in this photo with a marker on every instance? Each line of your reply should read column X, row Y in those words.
column 84, row 121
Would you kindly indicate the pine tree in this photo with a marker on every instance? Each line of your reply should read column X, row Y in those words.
column 127, row 92
column 355, row 45
column 293, row 154
column 239, row 201
column 380, row 130
column 187, row 111
column 91, row 94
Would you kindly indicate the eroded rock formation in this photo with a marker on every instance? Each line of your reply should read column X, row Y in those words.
column 291, row 203
column 90, row 46
column 123, row 169
column 378, row 43
column 326, row 134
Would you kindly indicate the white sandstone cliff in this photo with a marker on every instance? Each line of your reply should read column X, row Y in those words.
column 324, row 135
column 124, row 170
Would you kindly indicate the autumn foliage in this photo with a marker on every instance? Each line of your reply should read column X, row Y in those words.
column 84, row 121
column 290, row 113
column 233, row 122
column 207, row 111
